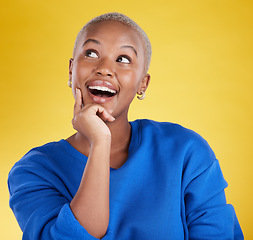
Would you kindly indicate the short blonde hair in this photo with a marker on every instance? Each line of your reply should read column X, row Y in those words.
column 126, row 20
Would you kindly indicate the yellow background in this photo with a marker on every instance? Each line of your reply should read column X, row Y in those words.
column 201, row 77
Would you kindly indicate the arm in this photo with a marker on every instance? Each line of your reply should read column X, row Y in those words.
column 208, row 216
column 41, row 201
column 90, row 205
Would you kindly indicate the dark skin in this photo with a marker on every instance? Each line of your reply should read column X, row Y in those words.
column 110, row 54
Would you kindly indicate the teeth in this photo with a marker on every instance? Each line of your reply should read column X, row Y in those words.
column 102, row 89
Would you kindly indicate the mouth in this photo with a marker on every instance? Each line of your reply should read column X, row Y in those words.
column 101, row 91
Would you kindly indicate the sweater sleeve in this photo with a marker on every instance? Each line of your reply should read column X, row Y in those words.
column 208, row 216
column 42, row 212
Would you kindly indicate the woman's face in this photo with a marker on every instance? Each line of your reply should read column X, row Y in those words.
column 108, row 66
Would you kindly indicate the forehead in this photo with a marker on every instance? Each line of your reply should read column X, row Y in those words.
column 114, row 32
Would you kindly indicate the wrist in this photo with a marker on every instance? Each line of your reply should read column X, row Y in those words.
column 101, row 148
column 101, row 141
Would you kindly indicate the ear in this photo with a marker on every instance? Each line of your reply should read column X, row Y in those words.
column 144, row 84
column 70, row 67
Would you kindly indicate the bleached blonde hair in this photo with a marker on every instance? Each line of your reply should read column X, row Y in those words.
column 126, row 20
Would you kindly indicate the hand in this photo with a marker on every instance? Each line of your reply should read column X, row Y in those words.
column 90, row 120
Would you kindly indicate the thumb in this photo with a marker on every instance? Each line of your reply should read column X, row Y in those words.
column 78, row 101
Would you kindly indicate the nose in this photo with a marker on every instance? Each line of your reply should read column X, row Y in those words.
column 105, row 69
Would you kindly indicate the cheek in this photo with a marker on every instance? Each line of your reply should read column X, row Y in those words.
column 80, row 73
column 130, row 79
column 130, row 83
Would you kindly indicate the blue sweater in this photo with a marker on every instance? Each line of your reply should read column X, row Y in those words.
column 170, row 188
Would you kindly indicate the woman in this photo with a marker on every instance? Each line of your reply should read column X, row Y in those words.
column 114, row 179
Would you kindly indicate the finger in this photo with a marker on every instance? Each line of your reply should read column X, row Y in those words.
column 78, row 101
column 104, row 114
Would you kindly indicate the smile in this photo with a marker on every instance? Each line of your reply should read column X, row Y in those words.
column 101, row 91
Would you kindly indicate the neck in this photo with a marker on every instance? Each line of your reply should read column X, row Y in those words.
column 121, row 134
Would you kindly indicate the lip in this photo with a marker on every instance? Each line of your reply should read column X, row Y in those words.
column 101, row 83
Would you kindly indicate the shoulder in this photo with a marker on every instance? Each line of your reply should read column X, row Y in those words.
column 34, row 165
column 172, row 131
column 188, row 146
column 39, row 161
column 44, row 152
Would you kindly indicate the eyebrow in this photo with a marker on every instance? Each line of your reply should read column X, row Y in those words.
column 97, row 42
column 131, row 47
column 91, row 40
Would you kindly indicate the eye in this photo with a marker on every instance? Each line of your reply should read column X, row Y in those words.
column 91, row 53
column 124, row 59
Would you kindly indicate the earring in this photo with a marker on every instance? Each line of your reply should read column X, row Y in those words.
column 70, row 83
column 142, row 95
